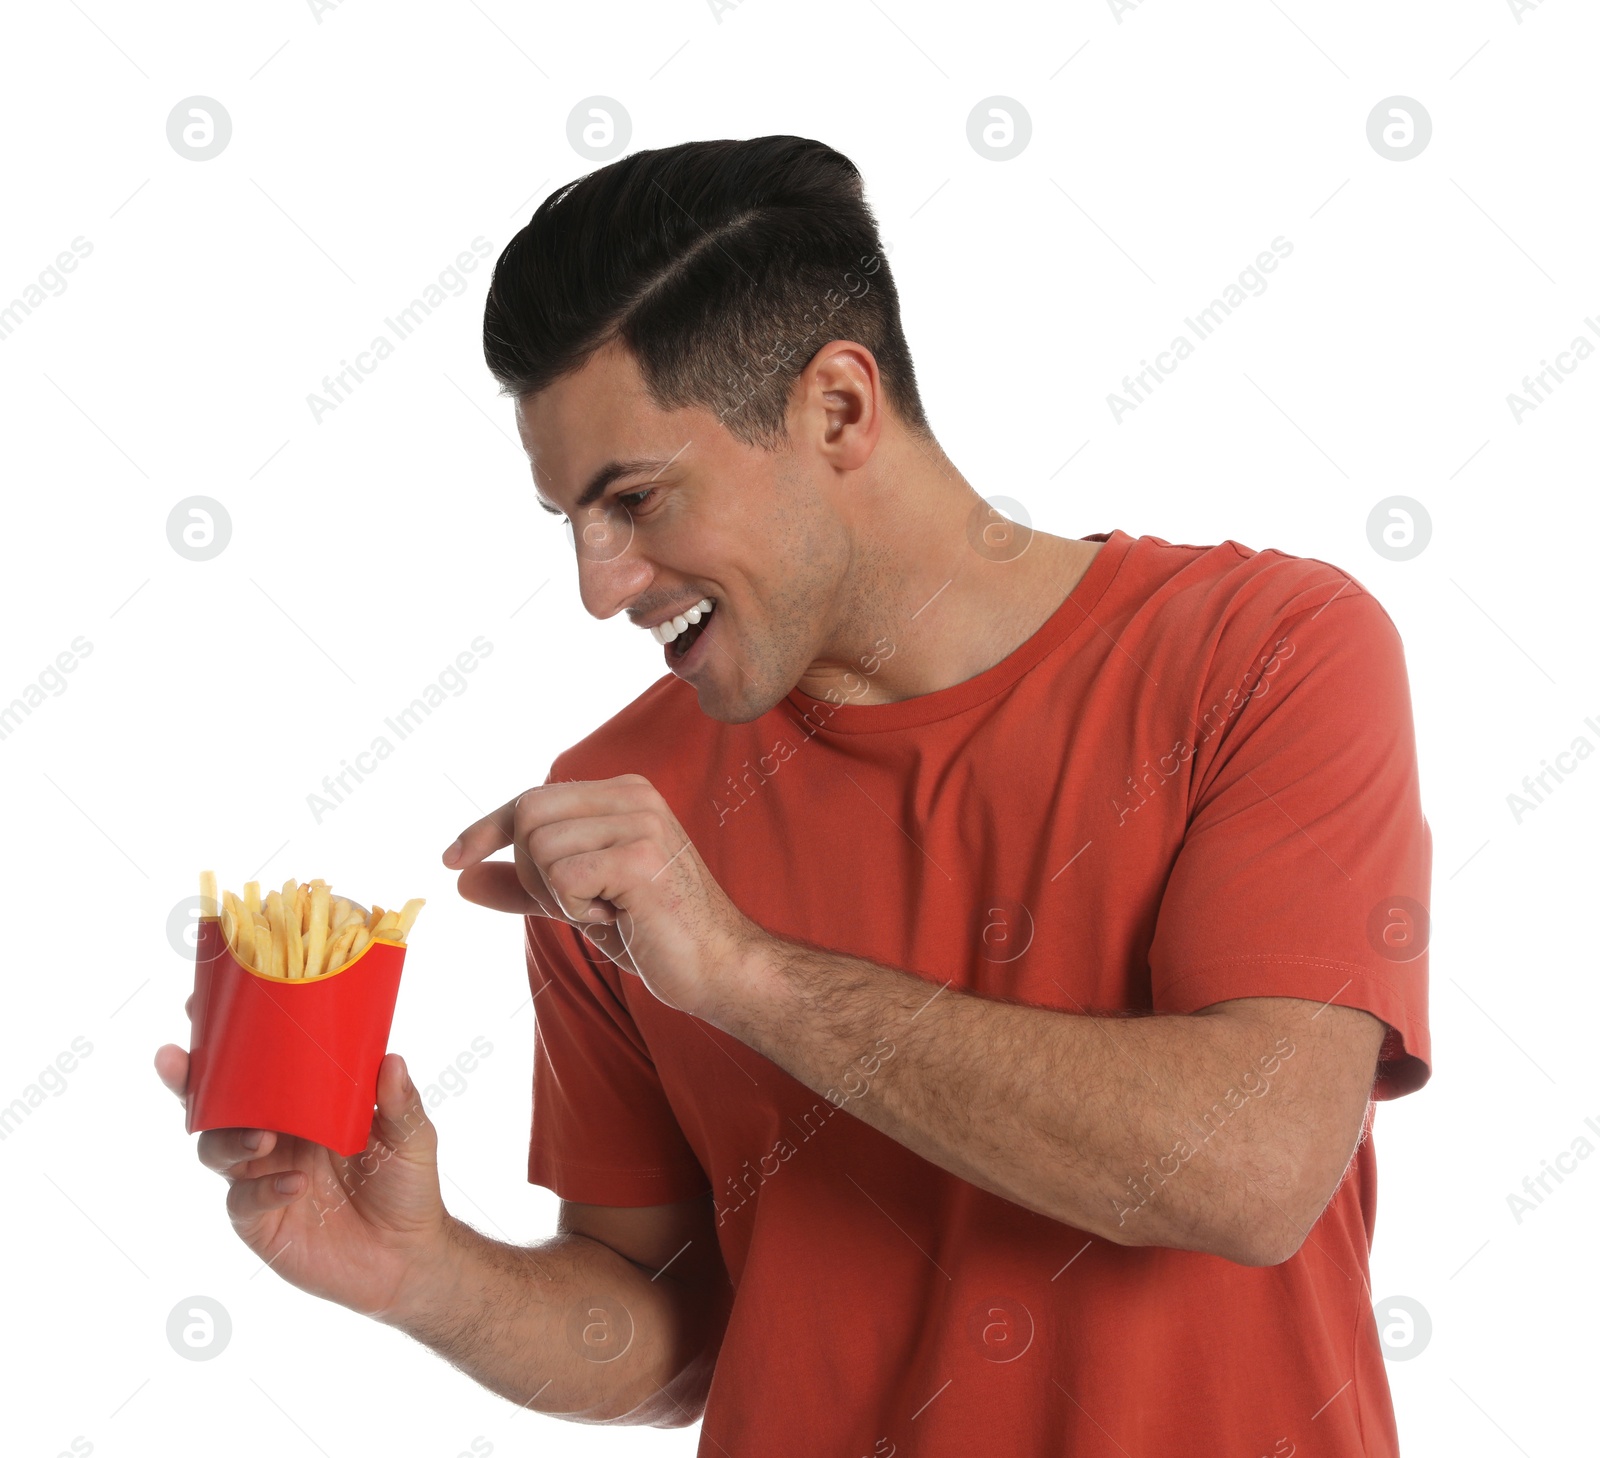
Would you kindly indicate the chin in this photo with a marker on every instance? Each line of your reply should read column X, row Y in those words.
column 739, row 710
column 739, row 713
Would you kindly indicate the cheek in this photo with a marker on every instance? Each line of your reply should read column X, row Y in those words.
column 779, row 553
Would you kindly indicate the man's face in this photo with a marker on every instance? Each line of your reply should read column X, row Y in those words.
column 695, row 514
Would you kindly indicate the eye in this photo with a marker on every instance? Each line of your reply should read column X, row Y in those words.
column 633, row 500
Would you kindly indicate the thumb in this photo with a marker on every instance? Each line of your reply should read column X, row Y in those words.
column 497, row 885
column 402, row 1122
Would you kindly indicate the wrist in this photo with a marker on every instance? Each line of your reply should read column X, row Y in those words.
column 430, row 1281
column 753, row 988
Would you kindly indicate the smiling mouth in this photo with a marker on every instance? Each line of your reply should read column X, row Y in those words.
column 679, row 633
column 680, row 646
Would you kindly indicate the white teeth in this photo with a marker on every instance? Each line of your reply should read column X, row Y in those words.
column 667, row 631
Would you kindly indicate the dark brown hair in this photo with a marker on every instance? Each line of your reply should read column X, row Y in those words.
column 723, row 266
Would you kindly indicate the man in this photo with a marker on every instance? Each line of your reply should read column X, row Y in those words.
column 963, row 979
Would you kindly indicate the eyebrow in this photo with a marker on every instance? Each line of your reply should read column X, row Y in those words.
column 611, row 471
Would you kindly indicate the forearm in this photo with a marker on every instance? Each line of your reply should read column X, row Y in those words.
column 1103, row 1123
column 565, row 1326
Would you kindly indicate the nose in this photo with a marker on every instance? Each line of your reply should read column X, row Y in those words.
column 611, row 570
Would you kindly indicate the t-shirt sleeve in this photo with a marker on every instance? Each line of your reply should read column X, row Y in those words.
column 603, row 1132
column 1305, row 866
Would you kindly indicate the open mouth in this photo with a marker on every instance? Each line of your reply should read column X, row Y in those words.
column 682, row 632
column 679, row 634
column 679, row 647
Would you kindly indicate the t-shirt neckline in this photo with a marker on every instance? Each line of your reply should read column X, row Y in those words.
column 1070, row 618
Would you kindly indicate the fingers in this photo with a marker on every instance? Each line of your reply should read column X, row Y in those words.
column 607, row 939
column 218, row 1149
column 223, row 1149
column 585, row 903
column 496, row 884
column 172, row 1062
column 250, row 1199
column 585, row 814
column 553, row 800
column 484, row 837
column 593, row 832
column 172, row 1068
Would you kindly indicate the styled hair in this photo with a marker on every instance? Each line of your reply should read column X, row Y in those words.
column 723, row 266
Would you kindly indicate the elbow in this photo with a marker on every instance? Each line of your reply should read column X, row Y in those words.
column 1268, row 1233
column 1252, row 1247
column 1256, row 1214
column 686, row 1394
column 1260, row 1251
column 681, row 1416
column 1279, row 1229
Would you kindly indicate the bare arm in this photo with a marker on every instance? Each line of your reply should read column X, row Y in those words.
column 602, row 1323
column 1225, row 1131
column 616, row 1319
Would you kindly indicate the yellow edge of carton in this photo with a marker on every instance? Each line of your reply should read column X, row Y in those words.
column 321, row 976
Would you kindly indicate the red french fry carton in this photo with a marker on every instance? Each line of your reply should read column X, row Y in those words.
column 298, row 1055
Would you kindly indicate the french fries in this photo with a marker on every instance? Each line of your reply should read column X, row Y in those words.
column 300, row 930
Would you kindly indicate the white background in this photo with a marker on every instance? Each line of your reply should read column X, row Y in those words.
column 370, row 146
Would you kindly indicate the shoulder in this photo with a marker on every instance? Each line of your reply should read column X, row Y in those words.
column 1222, row 603
column 1233, row 579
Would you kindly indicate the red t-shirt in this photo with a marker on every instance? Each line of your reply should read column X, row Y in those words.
column 1196, row 781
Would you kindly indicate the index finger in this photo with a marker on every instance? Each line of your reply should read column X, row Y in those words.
column 484, row 837
column 496, row 831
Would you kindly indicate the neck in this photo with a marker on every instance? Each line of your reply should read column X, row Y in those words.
column 954, row 592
